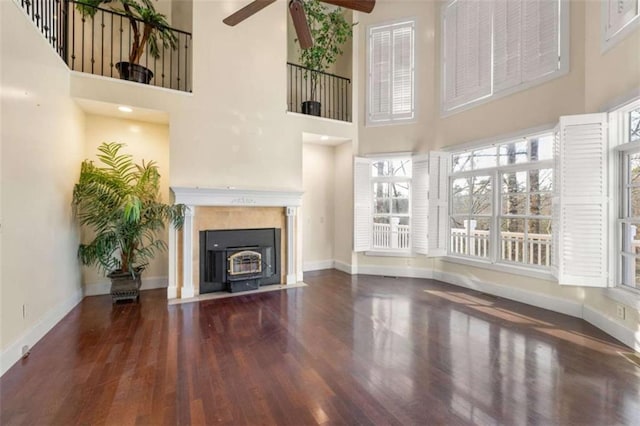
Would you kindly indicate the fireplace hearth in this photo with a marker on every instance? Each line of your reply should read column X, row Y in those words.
column 239, row 259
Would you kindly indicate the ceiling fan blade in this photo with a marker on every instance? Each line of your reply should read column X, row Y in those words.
column 359, row 5
column 250, row 9
column 300, row 23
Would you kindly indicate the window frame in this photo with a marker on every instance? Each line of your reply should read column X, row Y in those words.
column 610, row 40
column 564, row 33
column 619, row 128
column 413, row 22
column 389, row 180
column 493, row 260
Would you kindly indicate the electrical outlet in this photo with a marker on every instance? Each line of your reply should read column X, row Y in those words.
column 620, row 311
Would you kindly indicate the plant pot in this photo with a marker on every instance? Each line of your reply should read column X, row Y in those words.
column 124, row 286
column 134, row 72
column 311, row 108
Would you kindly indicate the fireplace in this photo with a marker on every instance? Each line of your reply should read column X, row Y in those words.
column 219, row 209
column 239, row 259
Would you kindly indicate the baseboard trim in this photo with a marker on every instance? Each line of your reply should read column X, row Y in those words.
column 102, row 288
column 612, row 328
column 396, row 271
column 31, row 336
column 556, row 304
column 317, row 265
column 344, row 267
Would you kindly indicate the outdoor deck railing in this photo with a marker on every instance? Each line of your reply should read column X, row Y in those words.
column 513, row 247
column 386, row 236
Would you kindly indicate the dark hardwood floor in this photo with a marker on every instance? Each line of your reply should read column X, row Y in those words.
column 344, row 350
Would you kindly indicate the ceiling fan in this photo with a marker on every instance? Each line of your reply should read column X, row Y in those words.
column 297, row 14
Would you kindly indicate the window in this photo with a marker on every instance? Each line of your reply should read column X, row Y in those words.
column 630, row 199
column 391, row 74
column 400, row 204
column 497, row 48
column 619, row 18
column 501, row 202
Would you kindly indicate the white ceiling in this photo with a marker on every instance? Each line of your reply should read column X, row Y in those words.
column 322, row 139
column 111, row 110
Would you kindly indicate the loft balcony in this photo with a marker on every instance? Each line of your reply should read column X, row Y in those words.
column 100, row 43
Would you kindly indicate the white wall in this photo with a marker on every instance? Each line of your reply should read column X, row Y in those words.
column 343, row 202
column 317, row 205
column 144, row 141
column 42, row 132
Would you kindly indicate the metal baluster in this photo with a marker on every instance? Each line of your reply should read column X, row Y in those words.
column 102, row 43
column 93, row 39
column 178, row 70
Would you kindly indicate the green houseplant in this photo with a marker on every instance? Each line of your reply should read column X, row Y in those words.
column 119, row 202
column 330, row 31
column 147, row 27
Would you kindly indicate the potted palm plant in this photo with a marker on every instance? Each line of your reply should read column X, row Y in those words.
column 119, row 202
column 329, row 30
column 147, row 27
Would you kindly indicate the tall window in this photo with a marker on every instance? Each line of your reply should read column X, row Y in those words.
column 501, row 202
column 391, row 185
column 630, row 197
column 620, row 18
column 391, row 74
column 499, row 47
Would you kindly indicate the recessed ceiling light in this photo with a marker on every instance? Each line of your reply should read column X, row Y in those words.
column 324, row 138
column 125, row 109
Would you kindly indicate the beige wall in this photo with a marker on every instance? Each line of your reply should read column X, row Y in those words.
column 144, row 141
column 42, row 131
column 343, row 202
column 317, row 203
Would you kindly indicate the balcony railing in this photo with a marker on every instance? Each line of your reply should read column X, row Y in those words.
column 512, row 246
column 97, row 44
column 386, row 236
column 332, row 91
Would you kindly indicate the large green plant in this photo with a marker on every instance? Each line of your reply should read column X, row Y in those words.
column 147, row 25
column 119, row 201
column 330, row 31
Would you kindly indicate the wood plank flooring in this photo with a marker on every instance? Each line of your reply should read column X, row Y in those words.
column 344, row 350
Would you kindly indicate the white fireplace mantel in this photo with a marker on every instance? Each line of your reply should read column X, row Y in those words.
column 230, row 197
column 236, row 197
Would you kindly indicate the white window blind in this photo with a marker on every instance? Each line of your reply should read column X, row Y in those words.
column 540, row 51
column 391, row 72
column 581, row 216
column 362, row 204
column 420, row 204
column 467, row 51
column 507, row 56
column 491, row 47
column 438, row 203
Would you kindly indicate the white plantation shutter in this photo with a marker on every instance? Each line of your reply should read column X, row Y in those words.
column 467, row 51
column 403, row 74
column 420, row 204
column 507, row 36
column 362, row 204
column 379, row 74
column 391, row 72
column 438, row 203
column 540, row 34
column 582, row 206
